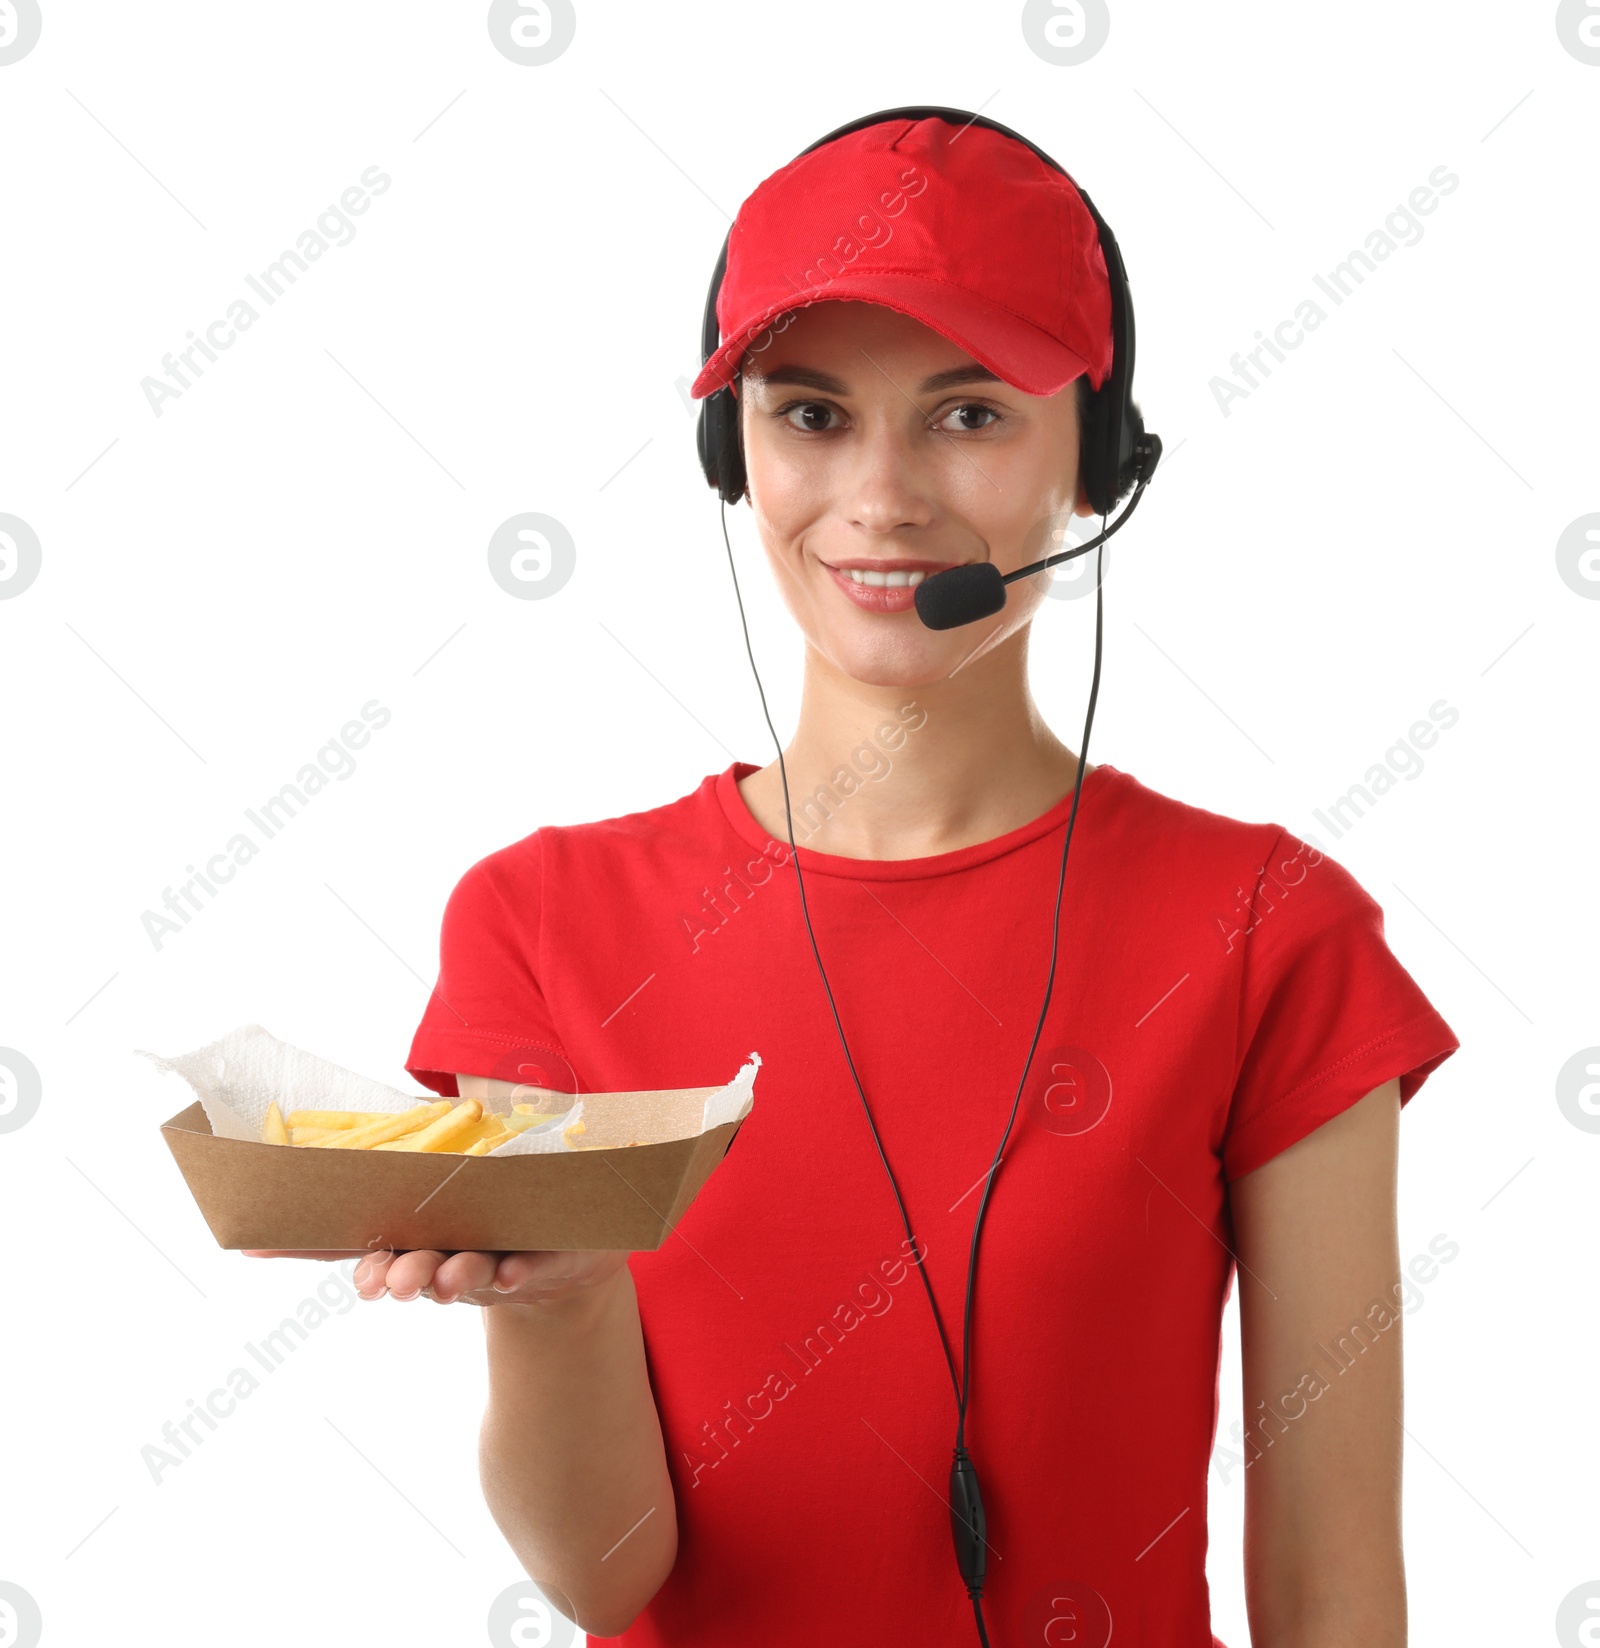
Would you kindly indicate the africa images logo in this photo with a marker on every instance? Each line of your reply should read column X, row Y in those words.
column 333, row 228
column 20, row 26
column 868, row 230
column 1402, row 227
column 335, row 761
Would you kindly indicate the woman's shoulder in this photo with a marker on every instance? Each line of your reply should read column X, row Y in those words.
column 1195, row 862
column 1152, row 819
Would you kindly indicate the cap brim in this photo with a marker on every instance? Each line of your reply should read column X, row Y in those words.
column 1015, row 350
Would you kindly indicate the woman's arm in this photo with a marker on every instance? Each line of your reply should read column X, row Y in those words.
column 1319, row 1261
column 571, row 1457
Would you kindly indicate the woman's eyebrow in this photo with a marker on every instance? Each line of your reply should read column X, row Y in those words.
column 808, row 378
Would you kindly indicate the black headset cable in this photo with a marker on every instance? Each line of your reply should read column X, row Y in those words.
column 973, row 1561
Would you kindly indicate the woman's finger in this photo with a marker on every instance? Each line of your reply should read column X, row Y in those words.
column 411, row 1272
column 463, row 1273
column 449, row 1277
column 370, row 1275
column 526, row 1277
column 514, row 1270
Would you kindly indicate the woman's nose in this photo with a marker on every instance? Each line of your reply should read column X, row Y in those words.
column 888, row 484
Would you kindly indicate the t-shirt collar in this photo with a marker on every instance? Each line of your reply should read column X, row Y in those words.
column 1101, row 776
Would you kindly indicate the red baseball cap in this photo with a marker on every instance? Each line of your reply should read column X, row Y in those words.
column 960, row 227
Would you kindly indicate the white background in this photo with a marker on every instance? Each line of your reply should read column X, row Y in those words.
column 305, row 530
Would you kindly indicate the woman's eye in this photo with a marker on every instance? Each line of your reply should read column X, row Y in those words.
column 817, row 417
column 813, row 416
column 968, row 410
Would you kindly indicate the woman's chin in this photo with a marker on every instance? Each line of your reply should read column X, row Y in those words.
column 917, row 660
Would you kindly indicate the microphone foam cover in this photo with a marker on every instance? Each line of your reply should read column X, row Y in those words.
column 960, row 595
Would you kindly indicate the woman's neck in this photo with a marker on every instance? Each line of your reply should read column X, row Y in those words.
column 889, row 772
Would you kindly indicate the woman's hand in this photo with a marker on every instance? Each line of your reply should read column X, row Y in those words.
column 532, row 1278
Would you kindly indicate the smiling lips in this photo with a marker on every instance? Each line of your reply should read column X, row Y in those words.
column 884, row 586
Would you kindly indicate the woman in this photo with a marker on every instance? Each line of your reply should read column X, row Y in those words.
column 745, row 1436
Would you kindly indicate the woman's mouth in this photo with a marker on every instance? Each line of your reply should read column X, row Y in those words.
column 887, row 589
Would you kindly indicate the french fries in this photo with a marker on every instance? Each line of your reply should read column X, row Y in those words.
column 446, row 1131
column 461, row 1128
column 489, row 1132
column 535, row 1115
column 312, row 1135
column 382, row 1128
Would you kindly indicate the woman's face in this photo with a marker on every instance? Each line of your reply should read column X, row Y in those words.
column 874, row 443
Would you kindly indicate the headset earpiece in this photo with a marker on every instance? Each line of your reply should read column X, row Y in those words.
column 1093, row 444
column 721, row 449
column 717, row 432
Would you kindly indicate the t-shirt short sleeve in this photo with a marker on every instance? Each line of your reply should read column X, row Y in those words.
column 1327, row 1012
column 488, row 1015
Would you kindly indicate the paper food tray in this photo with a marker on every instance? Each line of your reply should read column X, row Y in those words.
column 537, row 1192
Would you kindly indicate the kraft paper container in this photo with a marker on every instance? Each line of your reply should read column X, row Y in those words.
column 537, row 1193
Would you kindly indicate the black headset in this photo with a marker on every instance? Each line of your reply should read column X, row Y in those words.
column 1115, row 453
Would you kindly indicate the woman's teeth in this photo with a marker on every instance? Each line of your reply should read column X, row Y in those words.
column 884, row 580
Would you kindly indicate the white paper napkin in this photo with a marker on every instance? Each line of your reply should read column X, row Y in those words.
column 238, row 1076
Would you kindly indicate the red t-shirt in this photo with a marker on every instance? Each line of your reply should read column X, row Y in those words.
column 1222, row 989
